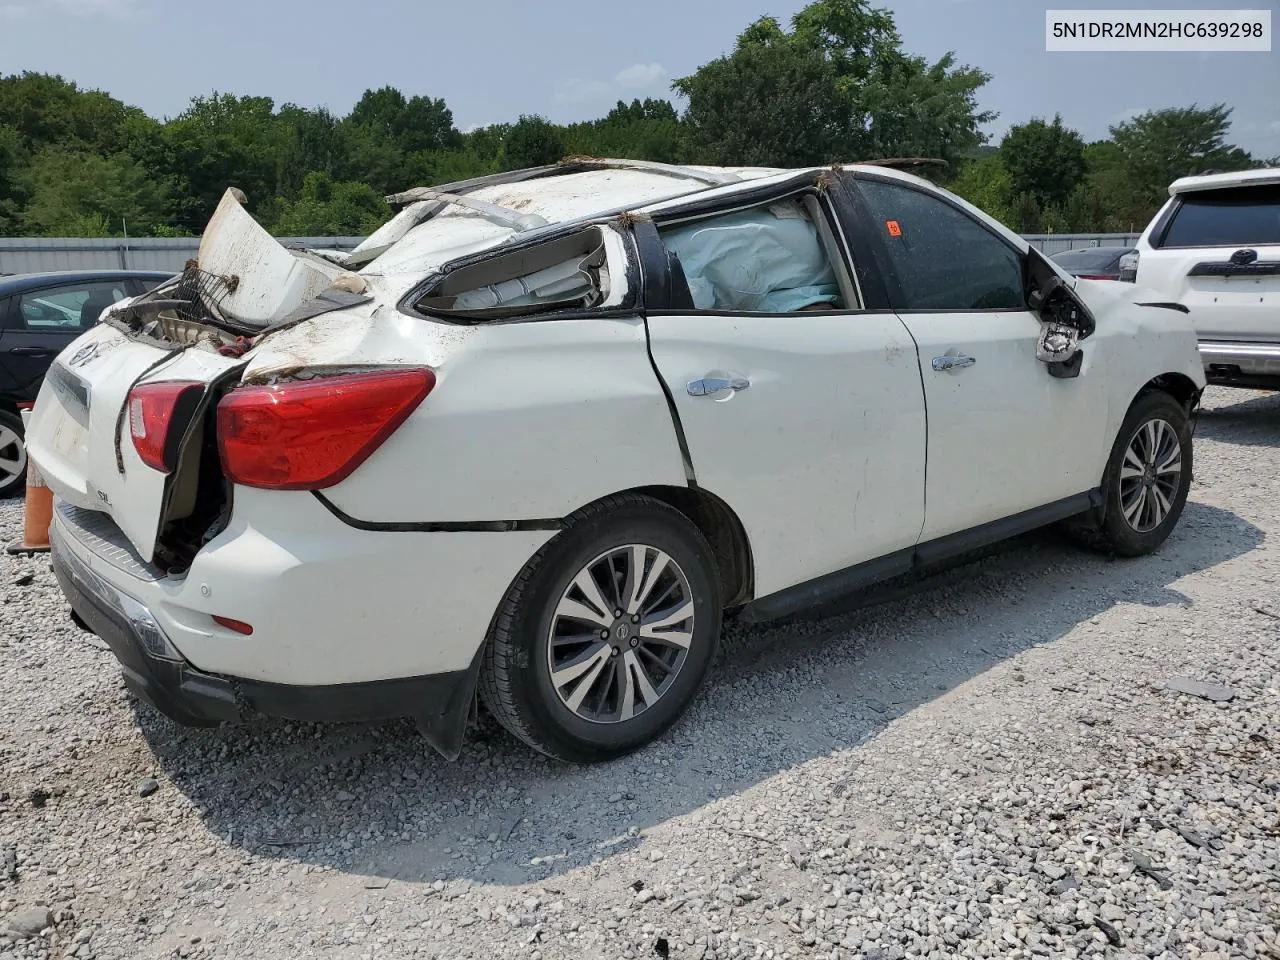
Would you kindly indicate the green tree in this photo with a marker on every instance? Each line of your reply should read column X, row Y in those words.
column 639, row 130
column 837, row 86
column 532, row 142
column 73, row 193
column 222, row 141
column 986, row 184
column 1159, row 146
column 326, row 209
column 1043, row 159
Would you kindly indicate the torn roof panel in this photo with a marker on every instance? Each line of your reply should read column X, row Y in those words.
column 453, row 231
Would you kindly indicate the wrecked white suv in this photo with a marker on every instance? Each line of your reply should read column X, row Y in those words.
column 534, row 436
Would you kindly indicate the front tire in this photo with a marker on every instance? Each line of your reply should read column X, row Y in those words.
column 1148, row 476
column 13, row 454
column 605, row 637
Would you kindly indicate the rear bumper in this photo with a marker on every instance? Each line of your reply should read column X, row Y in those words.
column 1240, row 363
column 156, row 673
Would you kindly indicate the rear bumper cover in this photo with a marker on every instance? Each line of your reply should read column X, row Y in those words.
column 1229, row 361
column 155, row 672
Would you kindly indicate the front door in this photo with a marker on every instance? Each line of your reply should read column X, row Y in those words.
column 1004, row 434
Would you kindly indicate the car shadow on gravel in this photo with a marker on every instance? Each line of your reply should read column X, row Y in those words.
column 1254, row 422
column 373, row 801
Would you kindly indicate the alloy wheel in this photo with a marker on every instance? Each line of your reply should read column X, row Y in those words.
column 620, row 633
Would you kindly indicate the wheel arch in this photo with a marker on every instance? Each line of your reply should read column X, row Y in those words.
column 724, row 531
column 1178, row 385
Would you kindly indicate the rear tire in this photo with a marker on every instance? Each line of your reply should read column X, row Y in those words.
column 1147, row 479
column 581, row 683
column 13, row 455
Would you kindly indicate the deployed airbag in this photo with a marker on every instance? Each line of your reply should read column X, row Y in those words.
column 768, row 260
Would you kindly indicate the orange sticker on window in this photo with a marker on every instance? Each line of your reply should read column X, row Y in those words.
column 894, row 229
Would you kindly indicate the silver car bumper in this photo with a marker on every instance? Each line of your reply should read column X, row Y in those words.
column 1251, row 359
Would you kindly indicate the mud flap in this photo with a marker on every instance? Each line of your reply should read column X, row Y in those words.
column 445, row 727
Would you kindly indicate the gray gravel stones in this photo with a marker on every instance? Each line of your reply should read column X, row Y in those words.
column 986, row 765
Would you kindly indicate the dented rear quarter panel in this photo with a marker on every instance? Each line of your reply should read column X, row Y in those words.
column 527, row 421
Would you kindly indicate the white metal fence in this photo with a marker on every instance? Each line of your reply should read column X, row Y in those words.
column 38, row 254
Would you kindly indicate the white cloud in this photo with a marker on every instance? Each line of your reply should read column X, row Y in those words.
column 108, row 8
column 640, row 76
column 629, row 80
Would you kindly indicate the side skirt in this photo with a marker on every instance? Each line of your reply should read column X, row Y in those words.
column 834, row 586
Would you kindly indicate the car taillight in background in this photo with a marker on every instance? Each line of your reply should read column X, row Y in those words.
column 1129, row 267
column 1093, row 276
column 311, row 434
column 154, row 408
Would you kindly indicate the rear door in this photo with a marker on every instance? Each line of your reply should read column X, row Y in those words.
column 800, row 408
column 42, row 322
column 1005, row 436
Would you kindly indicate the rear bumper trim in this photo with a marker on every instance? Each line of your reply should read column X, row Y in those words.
column 155, row 672
column 1222, row 359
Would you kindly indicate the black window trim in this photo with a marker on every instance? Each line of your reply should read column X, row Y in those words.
column 631, row 307
column 893, row 280
column 657, row 280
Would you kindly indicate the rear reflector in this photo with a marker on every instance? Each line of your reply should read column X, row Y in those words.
column 153, row 408
column 1093, row 276
column 311, row 434
column 239, row 626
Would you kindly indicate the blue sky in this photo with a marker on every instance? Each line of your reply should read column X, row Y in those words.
column 571, row 59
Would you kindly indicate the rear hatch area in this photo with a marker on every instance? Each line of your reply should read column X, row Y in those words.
column 124, row 423
column 1218, row 253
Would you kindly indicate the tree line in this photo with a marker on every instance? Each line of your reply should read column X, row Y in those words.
column 835, row 85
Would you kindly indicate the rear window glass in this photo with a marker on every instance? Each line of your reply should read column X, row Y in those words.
column 1236, row 217
column 1097, row 258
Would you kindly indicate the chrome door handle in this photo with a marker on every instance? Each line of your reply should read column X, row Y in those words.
column 709, row 385
column 951, row 363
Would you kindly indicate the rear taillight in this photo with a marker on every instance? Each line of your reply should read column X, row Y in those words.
column 1129, row 267
column 1092, row 276
column 311, row 434
column 154, row 408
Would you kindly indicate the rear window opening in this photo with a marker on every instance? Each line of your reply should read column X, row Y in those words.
column 781, row 257
column 581, row 271
column 1230, row 217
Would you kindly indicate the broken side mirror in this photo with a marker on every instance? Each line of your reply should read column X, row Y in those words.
column 1064, row 319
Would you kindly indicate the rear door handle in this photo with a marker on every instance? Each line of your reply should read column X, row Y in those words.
column 951, row 363
column 31, row 352
column 711, row 385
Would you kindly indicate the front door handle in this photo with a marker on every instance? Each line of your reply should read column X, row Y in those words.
column 951, row 363
column 711, row 385
column 31, row 352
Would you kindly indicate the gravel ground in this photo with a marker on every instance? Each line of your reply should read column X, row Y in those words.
column 989, row 764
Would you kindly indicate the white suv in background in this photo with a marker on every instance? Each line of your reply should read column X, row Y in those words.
column 1214, row 248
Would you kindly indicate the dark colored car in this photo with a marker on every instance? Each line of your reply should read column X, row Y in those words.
column 1092, row 263
column 40, row 313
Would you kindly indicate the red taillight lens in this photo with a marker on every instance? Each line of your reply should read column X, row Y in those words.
column 311, row 434
column 153, row 407
column 1093, row 276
